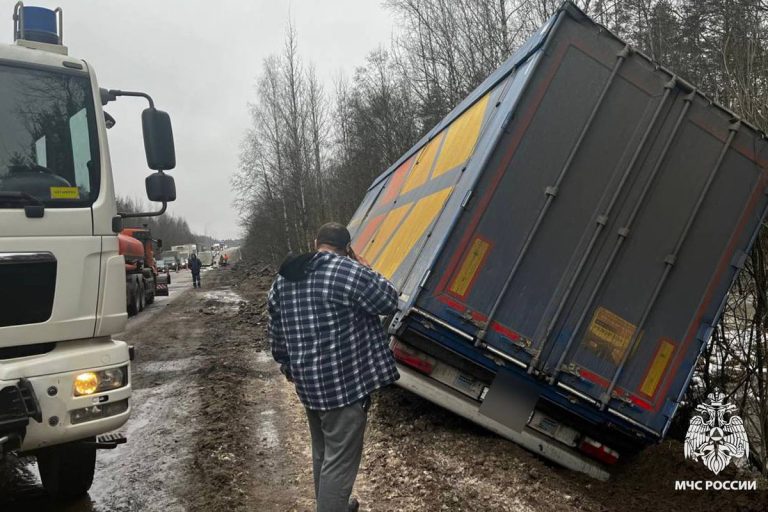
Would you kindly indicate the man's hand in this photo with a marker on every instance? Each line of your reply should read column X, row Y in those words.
column 359, row 259
column 286, row 371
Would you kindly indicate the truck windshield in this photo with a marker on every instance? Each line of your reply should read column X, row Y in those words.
column 48, row 139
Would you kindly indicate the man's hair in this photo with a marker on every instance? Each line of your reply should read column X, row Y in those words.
column 333, row 234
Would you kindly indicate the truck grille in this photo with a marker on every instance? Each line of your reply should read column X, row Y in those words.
column 29, row 284
column 18, row 403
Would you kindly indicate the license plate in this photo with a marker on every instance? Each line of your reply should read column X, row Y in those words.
column 553, row 428
column 458, row 380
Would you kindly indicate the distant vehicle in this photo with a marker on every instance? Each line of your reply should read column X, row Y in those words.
column 171, row 263
column 206, row 258
column 185, row 248
column 171, row 260
column 184, row 251
column 142, row 279
column 166, row 265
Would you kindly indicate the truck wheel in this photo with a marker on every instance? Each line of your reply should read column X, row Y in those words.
column 151, row 298
column 133, row 306
column 142, row 298
column 66, row 470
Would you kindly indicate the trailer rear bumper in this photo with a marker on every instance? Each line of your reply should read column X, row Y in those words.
column 464, row 406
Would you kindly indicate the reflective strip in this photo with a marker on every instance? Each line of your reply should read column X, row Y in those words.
column 658, row 367
column 410, row 232
column 469, row 267
column 461, row 138
column 420, row 172
column 385, row 231
column 396, row 182
column 362, row 239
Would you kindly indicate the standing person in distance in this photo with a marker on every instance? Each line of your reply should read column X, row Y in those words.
column 194, row 266
column 326, row 333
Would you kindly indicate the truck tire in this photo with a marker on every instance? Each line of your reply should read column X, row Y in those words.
column 133, row 306
column 142, row 297
column 66, row 470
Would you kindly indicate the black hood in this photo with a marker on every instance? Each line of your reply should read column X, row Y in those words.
column 296, row 267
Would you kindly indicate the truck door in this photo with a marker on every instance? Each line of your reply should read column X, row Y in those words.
column 50, row 177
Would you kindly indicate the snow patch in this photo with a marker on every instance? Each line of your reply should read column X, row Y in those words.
column 225, row 296
column 267, row 432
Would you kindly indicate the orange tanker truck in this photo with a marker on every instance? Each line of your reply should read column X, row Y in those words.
column 142, row 280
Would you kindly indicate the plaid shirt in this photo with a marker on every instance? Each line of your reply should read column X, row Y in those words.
column 326, row 333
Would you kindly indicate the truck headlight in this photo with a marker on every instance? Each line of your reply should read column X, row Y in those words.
column 88, row 383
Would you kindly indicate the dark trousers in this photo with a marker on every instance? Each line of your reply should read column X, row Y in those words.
column 337, row 447
column 196, row 279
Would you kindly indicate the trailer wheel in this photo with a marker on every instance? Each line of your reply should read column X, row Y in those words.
column 66, row 470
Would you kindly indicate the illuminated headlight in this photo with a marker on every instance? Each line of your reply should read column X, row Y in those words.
column 88, row 383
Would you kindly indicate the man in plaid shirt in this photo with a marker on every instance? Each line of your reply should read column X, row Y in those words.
column 326, row 333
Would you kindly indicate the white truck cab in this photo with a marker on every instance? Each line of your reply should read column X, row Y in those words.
column 64, row 381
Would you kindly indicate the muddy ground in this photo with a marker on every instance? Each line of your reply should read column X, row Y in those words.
column 215, row 427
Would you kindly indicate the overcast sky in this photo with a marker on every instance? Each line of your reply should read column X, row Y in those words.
column 199, row 60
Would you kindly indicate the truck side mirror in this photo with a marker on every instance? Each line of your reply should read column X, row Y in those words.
column 159, row 243
column 160, row 188
column 158, row 140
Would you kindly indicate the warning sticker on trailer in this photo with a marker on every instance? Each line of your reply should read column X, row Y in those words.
column 608, row 335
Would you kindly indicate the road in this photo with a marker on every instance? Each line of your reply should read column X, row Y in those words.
column 170, row 439
column 180, row 281
column 215, row 427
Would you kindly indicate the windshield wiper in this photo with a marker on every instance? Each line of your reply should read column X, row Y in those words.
column 33, row 207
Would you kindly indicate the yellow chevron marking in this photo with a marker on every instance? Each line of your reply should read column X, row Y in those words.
column 411, row 231
column 461, row 138
column 420, row 171
column 388, row 227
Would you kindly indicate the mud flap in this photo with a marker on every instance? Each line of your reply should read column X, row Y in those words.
column 510, row 400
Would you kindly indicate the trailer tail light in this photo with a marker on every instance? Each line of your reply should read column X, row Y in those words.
column 599, row 451
column 410, row 357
